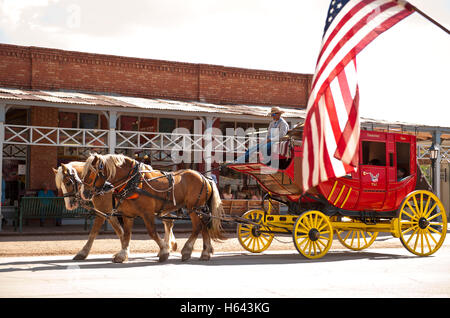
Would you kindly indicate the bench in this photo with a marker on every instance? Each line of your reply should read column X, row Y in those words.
column 48, row 208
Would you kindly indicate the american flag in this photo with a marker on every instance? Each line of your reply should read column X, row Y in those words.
column 331, row 131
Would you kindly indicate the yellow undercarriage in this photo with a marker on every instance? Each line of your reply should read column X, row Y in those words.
column 421, row 227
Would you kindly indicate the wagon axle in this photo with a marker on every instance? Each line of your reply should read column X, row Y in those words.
column 423, row 223
column 313, row 234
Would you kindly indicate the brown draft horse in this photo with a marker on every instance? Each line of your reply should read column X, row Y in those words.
column 69, row 184
column 154, row 192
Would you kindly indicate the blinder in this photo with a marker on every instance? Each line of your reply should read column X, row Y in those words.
column 75, row 181
column 94, row 174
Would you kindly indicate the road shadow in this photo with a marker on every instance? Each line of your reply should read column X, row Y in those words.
column 220, row 259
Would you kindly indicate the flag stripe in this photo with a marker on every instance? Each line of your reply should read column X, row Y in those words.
column 340, row 24
column 331, row 131
column 351, row 35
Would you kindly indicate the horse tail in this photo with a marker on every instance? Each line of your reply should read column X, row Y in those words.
column 217, row 213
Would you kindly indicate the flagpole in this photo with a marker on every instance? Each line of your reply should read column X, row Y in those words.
column 429, row 18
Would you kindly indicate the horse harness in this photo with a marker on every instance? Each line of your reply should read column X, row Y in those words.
column 131, row 187
column 128, row 189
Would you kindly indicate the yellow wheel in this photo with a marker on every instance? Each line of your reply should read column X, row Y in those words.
column 422, row 223
column 356, row 240
column 255, row 239
column 313, row 234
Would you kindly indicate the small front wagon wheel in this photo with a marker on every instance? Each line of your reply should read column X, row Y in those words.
column 313, row 234
column 422, row 223
column 253, row 238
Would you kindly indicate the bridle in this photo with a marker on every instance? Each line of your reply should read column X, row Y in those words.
column 75, row 181
column 92, row 177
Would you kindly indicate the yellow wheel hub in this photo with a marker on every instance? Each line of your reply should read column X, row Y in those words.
column 313, row 234
column 253, row 238
column 422, row 223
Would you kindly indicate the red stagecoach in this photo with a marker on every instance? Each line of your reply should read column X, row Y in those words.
column 385, row 194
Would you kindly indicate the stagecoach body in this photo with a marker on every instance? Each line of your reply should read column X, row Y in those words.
column 358, row 206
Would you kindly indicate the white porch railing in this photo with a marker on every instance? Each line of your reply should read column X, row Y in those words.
column 98, row 138
column 154, row 141
column 55, row 136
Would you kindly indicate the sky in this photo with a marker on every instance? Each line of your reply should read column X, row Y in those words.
column 403, row 75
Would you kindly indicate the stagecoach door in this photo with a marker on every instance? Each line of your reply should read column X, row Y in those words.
column 373, row 170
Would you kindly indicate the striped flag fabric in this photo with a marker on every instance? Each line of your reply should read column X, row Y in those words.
column 331, row 131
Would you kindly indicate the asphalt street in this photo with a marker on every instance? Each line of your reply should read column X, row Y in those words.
column 375, row 272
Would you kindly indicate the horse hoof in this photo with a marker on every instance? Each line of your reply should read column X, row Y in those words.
column 118, row 258
column 205, row 257
column 163, row 257
column 185, row 257
column 79, row 257
column 174, row 247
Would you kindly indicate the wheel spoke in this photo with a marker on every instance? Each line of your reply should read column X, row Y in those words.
column 418, row 233
column 316, row 240
column 434, row 216
column 412, row 210
column 425, row 211
column 409, row 229
column 426, row 232
column 431, row 210
column 252, row 237
column 416, row 206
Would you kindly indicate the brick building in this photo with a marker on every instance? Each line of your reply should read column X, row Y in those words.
column 50, row 100
column 57, row 106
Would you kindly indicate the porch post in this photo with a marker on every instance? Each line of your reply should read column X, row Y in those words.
column 208, row 145
column 2, row 136
column 437, row 164
column 112, row 131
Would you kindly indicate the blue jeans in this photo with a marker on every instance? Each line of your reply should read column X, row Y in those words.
column 266, row 151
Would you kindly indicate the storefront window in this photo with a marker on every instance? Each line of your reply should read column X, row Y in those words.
column 16, row 117
column 88, row 121
column 13, row 175
column 166, row 125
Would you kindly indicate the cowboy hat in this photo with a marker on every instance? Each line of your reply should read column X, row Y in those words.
column 276, row 110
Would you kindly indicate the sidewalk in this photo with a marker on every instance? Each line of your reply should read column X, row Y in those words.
column 50, row 228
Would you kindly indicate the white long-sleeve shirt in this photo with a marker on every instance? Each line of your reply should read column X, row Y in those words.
column 280, row 125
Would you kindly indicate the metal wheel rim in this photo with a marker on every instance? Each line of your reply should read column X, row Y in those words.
column 251, row 240
column 313, row 234
column 422, row 223
column 356, row 240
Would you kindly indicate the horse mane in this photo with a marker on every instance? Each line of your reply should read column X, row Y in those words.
column 110, row 162
column 59, row 177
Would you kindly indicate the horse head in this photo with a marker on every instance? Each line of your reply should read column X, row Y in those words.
column 93, row 176
column 68, row 183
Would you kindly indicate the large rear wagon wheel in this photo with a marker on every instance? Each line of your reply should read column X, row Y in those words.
column 422, row 223
column 253, row 238
column 313, row 234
